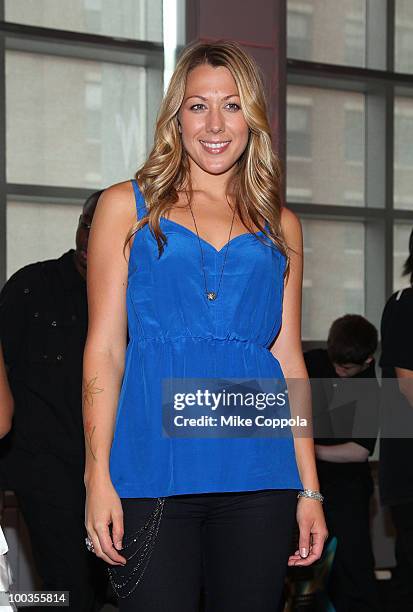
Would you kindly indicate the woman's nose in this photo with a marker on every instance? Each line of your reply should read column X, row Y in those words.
column 215, row 121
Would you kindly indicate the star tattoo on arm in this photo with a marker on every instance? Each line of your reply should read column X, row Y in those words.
column 89, row 390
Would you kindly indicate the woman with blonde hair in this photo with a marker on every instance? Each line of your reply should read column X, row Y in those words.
column 205, row 273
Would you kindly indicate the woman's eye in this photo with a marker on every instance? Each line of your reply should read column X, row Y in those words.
column 196, row 107
column 233, row 106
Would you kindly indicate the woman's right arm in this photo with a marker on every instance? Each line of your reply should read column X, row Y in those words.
column 104, row 361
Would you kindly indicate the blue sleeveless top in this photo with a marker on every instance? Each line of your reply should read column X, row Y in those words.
column 174, row 331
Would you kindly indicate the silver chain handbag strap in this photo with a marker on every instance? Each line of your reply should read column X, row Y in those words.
column 125, row 579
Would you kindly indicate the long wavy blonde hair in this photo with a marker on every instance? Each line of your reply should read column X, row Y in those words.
column 255, row 184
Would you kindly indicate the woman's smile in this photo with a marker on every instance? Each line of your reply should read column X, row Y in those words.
column 215, row 147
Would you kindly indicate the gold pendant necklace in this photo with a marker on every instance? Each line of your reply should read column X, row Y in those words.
column 211, row 295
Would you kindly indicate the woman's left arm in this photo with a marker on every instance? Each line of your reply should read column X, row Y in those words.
column 287, row 349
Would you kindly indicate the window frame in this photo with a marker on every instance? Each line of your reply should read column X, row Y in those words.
column 380, row 84
column 71, row 45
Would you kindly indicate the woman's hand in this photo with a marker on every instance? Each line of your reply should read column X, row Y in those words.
column 103, row 507
column 313, row 532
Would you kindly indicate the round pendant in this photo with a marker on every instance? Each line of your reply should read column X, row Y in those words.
column 211, row 295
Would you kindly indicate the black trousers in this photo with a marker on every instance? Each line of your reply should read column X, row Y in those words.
column 57, row 536
column 352, row 586
column 233, row 546
column 402, row 575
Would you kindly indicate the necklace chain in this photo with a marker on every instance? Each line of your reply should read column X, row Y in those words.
column 211, row 295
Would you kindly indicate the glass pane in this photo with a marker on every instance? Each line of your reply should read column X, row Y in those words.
column 138, row 19
column 333, row 267
column 401, row 235
column 404, row 36
column 325, row 146
column 325, row 31
column 45, row 230
column 403, row 153
column 79, row 123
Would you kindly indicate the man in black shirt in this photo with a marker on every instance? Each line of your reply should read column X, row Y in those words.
column 396, row 439
column 342, row 466
column 43, row 327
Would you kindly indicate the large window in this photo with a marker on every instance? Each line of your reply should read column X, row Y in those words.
column 326, row 31
column 325, row 143
column 83, row 83
column 84, row 122
column 350, row 153
column 403, row 152
column 38, row 229
column 135, row 19
column 333, row 274
column 404, row 36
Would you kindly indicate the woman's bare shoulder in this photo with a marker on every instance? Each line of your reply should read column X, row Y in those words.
column 291, row 226
column 116, row 209
column 121, row 194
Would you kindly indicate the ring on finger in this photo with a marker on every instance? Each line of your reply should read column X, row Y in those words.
column 89, row 545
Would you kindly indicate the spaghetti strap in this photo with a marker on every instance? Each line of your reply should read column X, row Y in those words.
column 141, row 209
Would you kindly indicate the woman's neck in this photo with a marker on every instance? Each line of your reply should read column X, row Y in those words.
column 215, row 185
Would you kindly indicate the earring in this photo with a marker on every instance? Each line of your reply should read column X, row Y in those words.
column 179, row 128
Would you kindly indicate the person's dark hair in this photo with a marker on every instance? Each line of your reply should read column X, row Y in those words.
column 92, row 200
column 351, row 339
column 408, row 264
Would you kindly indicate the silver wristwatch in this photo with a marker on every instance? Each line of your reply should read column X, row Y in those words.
column 312, row 494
